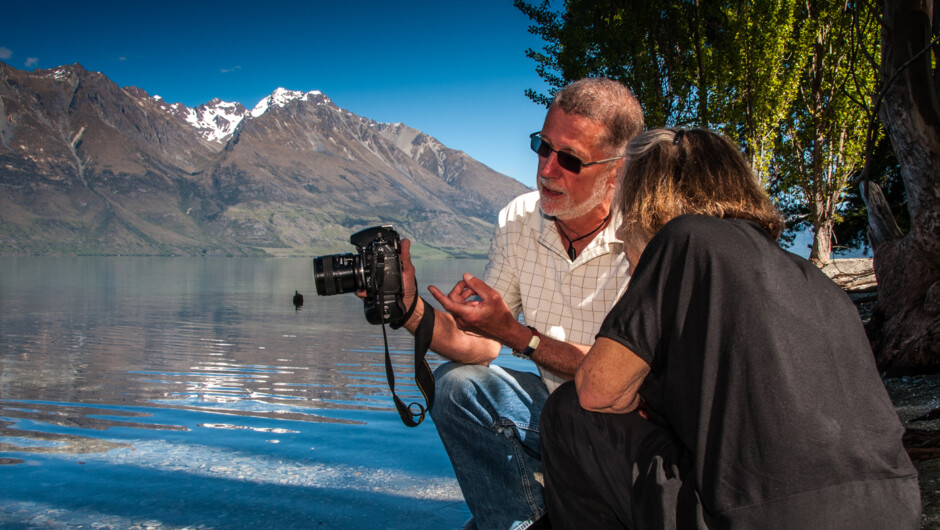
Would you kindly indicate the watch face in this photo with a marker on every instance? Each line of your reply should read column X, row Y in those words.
column 534, row 343
column 530, row 347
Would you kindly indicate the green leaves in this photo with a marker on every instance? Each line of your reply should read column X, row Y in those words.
column 789, row 80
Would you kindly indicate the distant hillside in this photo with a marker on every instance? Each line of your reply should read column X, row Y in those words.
column 87, row 167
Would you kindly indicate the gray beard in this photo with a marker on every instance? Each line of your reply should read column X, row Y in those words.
column 573, row 211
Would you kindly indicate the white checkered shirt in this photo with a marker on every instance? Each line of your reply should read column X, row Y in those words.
column 529, row 267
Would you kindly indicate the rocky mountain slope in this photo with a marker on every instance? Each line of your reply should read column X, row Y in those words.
column 88, row 167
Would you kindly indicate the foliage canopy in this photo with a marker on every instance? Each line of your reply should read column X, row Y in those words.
column 789, row 81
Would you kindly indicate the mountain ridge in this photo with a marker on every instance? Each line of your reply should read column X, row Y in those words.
column 87, row 167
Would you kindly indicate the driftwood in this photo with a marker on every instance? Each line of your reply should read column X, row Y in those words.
column 922, row 444
column 855, row 275
column 857, row 278
column 932, row 415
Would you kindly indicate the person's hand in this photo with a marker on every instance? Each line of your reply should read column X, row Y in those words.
column 408, row 280
column 477, row 308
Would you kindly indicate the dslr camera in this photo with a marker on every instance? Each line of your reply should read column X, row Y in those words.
column 376, row 269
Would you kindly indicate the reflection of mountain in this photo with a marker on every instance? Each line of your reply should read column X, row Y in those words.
column 88, row 167
column 214, row 335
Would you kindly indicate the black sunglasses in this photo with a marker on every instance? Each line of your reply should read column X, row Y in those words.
column 566, row 160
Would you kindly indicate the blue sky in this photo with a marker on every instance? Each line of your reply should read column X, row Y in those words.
column 456, row 71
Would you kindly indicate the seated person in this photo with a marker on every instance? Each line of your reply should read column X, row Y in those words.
column 732, row 385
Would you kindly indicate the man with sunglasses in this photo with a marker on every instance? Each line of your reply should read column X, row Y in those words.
column 556, row 260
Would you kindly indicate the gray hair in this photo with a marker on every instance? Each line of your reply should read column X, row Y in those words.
column 607, row 102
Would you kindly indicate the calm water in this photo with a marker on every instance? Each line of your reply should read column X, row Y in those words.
column 177, row 392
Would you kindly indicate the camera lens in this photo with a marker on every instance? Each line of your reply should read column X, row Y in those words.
column 338, row 273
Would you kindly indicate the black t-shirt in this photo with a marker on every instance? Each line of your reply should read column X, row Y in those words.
column 762, row 370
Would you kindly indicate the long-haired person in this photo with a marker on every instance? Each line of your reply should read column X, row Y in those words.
column 732, row 386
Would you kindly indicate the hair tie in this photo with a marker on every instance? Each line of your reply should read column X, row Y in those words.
column 678, row 137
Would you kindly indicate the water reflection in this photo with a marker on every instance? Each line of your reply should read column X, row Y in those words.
column 195, row 392
column 22, row 439
column 215, row 334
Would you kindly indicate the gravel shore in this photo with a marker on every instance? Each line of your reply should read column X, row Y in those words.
column 914, row 398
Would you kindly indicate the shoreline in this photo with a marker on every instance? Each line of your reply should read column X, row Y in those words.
column 913, row 398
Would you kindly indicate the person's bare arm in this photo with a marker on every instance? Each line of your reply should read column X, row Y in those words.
column 447, row 339
column 559, row 357
column 610, row 377
column 477, row 309
column 451, row 342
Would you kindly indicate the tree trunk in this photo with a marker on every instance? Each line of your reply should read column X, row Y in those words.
column 821, row 252
column 905, row 324
column 882, row 226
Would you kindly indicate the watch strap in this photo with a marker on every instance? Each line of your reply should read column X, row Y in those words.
column 530, row 348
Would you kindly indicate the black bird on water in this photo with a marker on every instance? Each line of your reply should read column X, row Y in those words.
column 298, row 299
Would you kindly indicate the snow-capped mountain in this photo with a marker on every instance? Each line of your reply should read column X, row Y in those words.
column 281, row 97
column 90, row 167
column 215, row 120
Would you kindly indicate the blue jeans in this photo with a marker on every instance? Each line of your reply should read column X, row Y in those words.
column 488, row 419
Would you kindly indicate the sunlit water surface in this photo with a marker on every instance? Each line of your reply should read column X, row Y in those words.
column 178, row 392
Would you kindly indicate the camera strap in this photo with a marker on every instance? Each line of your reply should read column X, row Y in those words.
column 423, row 376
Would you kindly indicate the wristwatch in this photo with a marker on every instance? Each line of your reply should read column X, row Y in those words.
column 533, row 344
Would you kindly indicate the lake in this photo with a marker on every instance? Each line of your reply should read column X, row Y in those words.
column 191, row 393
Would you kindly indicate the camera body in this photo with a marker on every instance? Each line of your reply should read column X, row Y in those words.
column 376, row 269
